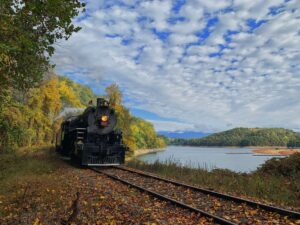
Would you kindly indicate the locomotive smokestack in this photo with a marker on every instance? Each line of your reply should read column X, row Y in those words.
column 102, row 102
column 99, row 100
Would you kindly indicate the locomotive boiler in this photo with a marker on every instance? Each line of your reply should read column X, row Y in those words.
column 91, row 139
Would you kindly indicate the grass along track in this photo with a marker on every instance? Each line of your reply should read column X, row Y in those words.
column 224, row 209
column 282, row 211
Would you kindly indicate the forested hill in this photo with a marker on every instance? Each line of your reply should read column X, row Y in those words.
column 245, row 137
column 34, row 117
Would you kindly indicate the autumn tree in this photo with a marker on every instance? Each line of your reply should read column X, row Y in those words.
column 137, row 133
column 124, row 118
column 114, row 94
column 28, row 32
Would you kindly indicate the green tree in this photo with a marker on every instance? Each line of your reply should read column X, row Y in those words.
column 244, row 137
column 28, row 31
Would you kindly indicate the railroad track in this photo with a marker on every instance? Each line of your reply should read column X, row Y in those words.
column 222, row 208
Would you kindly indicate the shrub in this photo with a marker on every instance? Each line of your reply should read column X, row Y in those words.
column 287, row 167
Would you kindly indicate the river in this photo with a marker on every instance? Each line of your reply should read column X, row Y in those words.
column 209, row 157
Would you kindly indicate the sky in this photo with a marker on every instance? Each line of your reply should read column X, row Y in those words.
column 192, row 65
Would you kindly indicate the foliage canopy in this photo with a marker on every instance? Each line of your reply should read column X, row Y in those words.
column 29, row 30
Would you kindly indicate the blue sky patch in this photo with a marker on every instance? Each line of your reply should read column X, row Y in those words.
column 203, row 34
column 276, row 10
column 112, row 35
column 149, row 115
column 139, row 53
column 177, row 5
column 254, row 24
column 126, row 41
column 176, row 19
column 162, row 35
column 215, row 54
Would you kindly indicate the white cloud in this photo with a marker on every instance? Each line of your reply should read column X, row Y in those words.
column 179, row 39
column 158, row 10
column 253, row 80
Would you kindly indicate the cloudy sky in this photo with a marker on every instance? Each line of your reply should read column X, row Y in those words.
column 192, row 65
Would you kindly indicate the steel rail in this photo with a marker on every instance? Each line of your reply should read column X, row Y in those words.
column 215, row 218
column 281, row 211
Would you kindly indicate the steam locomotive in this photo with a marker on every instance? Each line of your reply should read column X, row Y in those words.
column 91, row 139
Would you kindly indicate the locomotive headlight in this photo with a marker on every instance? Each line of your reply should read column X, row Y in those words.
column 104, row 118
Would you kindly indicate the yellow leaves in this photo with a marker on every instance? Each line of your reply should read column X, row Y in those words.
column 227, row 217
column 112, row 222
column 36, row 117
column 147, row 209
column 50, row 93
column 218, row 204
column 253, row 212
column 134, row 129
column 37, row 222
column 114, row 94
column 102, row 197
column 68, row 95
column 50, row 191
column 5, row 59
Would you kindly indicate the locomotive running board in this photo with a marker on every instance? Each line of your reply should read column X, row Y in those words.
column 65, row 158
column 111, row 164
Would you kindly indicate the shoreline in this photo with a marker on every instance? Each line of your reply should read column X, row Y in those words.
column 276, row 151
column 141, row 152
column 254, row 147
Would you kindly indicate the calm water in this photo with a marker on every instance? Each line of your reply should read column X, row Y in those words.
column 209, row 157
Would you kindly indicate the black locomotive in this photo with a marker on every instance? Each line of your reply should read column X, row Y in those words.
column 91, row 138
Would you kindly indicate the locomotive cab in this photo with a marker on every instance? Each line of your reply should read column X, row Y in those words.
column 91, row 138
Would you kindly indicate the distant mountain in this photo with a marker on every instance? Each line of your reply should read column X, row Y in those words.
column 183, row 134
column 244, row 137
